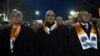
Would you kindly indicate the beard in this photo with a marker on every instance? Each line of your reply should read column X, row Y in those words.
column 50, row 21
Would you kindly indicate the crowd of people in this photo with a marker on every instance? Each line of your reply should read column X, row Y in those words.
column 78, row 36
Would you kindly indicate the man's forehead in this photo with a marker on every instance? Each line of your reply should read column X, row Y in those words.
column 59, row 18
column 15, row 14
column 50, row 12
column 84, row 12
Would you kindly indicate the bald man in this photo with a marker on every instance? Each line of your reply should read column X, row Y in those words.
column 84, row 37
column 51, row 37
column 60, row 21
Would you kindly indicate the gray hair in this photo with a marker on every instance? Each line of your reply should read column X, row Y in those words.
column 19, row 13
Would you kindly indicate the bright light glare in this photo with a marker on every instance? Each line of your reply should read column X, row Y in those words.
column 37, row 12
column 72, row 12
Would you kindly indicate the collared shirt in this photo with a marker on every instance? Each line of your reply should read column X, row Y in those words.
column 85, row 25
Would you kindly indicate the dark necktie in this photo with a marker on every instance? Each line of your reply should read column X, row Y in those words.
column 86, row 26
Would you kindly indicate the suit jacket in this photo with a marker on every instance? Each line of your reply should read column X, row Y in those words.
column 24, row 44
column 52, row 44
column 75, row 45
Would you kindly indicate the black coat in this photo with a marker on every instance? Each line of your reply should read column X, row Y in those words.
column 75, row 44
column 52, row 44
column 24, row 44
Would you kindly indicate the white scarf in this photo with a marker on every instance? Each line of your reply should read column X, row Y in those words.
column 47, row 29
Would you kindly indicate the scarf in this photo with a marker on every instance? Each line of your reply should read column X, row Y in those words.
column 48, row 30
column 14, row 34
column 84, row 39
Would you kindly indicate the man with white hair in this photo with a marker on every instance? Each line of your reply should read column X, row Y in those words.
column 51, row 37
column 18, row 40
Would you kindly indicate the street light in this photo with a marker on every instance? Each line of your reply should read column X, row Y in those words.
column 72, row 13
column 37, row 13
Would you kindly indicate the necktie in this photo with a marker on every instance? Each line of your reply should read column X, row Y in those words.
column 86, row 26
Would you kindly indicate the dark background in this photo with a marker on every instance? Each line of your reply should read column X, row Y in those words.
column 60, row 7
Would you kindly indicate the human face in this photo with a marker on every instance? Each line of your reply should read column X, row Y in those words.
column 50, row 17
column 59, row 20
column 15, row 17
column 84, row 17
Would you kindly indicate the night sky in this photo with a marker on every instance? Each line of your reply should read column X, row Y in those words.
column 60, row 7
